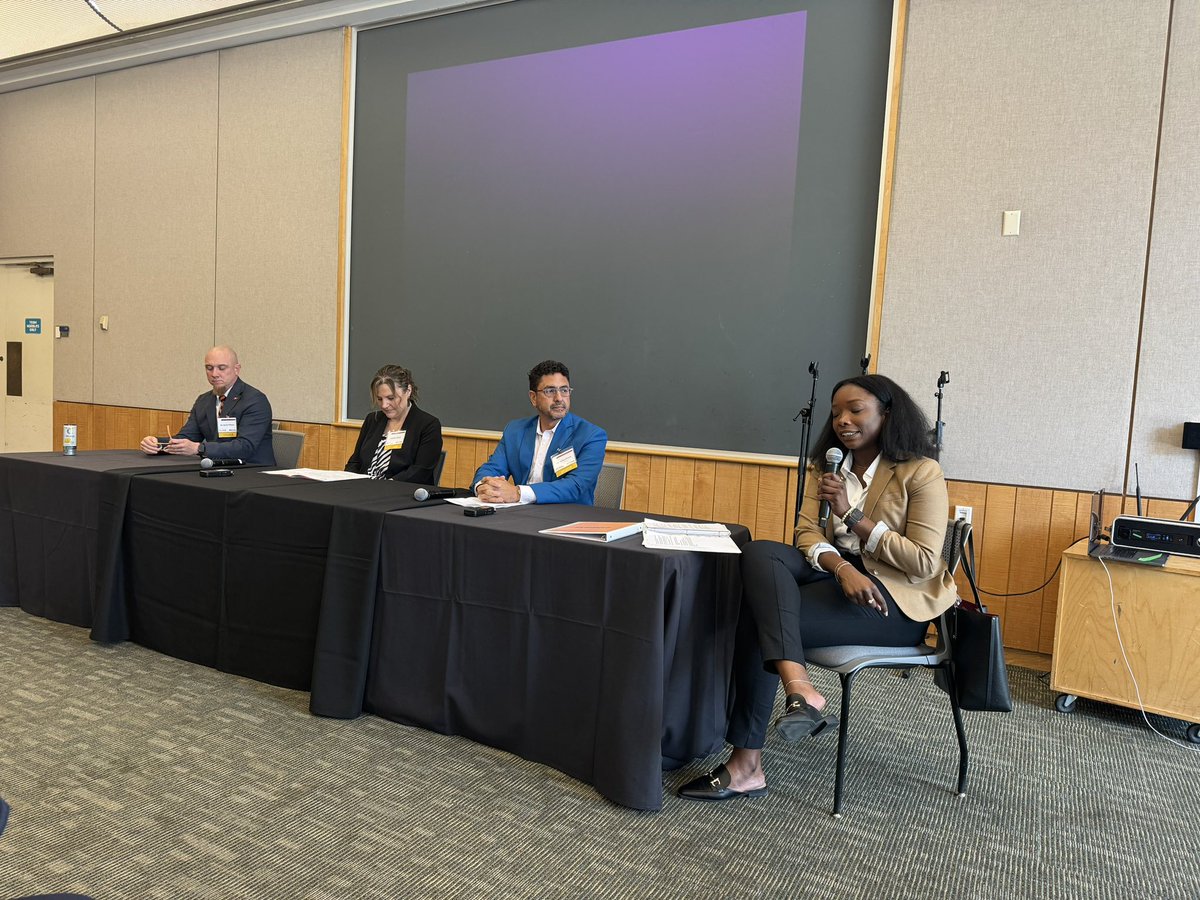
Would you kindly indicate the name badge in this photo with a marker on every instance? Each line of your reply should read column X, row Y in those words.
column 226, row 427
column 393, row 440
column 564, row 461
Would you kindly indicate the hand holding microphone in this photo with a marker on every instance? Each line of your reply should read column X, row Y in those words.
column 833, row 462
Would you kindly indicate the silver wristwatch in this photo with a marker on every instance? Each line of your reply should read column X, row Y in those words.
column 852, row 518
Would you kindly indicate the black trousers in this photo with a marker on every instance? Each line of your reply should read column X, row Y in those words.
column 787, row 605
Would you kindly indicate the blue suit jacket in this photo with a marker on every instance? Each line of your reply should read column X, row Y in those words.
column 252, row 410
column 514, row 455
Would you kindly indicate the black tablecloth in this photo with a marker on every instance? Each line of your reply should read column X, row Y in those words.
column 609, row 662
column 234, row 573
column 52, row 527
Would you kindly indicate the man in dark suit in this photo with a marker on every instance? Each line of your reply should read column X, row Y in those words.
column 231, row 421
column 554, row 456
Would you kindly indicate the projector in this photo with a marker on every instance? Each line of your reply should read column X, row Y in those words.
column 1164, row 535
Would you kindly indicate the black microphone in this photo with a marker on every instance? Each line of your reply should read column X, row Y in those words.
column 210, row 463
column 435, row 494
column 833, row 461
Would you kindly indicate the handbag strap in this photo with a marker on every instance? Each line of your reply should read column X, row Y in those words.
column 968, row 565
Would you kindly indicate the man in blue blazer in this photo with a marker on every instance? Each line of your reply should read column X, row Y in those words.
column 231, row 421
column 554, row 457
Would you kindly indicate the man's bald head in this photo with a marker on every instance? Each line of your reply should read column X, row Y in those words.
column 222, row 368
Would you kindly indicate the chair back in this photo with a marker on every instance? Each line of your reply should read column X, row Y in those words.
column 610, row 486
column 437, row 471
column 958, row 536
column 288, row 445
column 955, row 549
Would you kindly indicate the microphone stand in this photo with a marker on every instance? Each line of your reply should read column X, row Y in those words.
column 939, row 430
column 805, row 427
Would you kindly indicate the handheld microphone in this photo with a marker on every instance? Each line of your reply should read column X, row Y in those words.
column 435, row 494
column 833, row 461
column 210, row 463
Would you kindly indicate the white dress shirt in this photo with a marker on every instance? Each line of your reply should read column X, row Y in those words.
column 541, row 447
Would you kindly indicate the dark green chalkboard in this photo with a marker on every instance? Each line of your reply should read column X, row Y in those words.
column 663, row 195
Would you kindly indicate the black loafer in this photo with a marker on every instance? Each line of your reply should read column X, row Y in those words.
column 714, row 787
column 799, row 720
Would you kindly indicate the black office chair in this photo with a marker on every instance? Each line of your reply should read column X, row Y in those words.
column 848, row 660
column 287, row 445
column 437, row 472
column 610, row 486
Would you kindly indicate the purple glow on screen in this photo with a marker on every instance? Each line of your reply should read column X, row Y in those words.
column 672, row 154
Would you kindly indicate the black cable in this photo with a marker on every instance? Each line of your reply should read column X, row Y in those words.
column 1036, row 589
column 91, row 5
column 1026, row 593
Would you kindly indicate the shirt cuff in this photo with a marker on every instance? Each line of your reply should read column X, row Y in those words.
column 815, row 552
column 527, row 494
column 877, row 532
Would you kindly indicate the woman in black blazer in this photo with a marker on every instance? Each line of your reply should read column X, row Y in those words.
column 397, row 440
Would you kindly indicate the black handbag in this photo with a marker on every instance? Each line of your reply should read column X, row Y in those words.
column 976, row 650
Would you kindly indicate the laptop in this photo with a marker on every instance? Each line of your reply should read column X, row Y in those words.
column 1099, row 548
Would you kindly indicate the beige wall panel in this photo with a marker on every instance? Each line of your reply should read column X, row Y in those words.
column 1050, row 107
column 278, row 186
column 156, row 166
column 47, row 188
column 1168, row 379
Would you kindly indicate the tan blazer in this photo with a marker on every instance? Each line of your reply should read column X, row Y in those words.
column 911, row 498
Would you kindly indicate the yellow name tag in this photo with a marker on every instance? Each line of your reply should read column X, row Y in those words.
column 226, row 427
column 393, row 440
column 564, row 461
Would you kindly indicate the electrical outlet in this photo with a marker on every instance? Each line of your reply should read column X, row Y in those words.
column 963, row 512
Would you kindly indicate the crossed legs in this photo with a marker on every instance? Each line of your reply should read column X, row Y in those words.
column 787, row 605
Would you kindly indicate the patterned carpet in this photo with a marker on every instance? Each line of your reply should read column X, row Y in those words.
column 135, row 775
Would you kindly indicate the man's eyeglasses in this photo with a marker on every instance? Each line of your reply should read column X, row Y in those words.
column 549, row 392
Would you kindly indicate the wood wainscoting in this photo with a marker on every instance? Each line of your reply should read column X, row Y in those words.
column 1020, row 532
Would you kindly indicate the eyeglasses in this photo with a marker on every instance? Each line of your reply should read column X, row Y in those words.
column 549, row 392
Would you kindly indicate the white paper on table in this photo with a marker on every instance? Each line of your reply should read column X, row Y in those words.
column 318, row 474
column 476, row 503
column 703, row 537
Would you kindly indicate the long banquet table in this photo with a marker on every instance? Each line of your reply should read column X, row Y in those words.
column 236, row 573
column 54, row 523
column 609, row 662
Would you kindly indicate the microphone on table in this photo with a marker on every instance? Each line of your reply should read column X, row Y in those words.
column 435, row 494
column 833, row 461
column 211, row 463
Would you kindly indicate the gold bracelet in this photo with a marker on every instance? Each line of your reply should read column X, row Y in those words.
column 839, row 568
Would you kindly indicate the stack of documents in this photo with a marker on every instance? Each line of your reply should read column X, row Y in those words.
column 476, row 503
column 317, row 474
column 708, row 537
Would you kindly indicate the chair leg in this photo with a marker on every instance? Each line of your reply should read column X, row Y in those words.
column 840, row 770
column 956, row 711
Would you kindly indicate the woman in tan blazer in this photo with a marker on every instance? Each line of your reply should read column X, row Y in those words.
column 873, row 574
